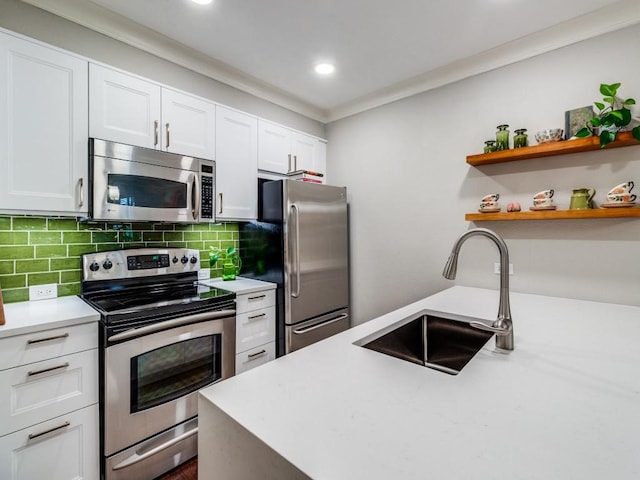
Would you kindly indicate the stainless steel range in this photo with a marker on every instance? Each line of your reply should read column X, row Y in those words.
column 163, row 337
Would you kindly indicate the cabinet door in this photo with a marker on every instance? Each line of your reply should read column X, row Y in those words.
column 123, row 108
column 236, row 165
column 63, row 448
column 43, row 128
column 188, row 125
column 308, row 153
column 33, row 393
column 274, row 148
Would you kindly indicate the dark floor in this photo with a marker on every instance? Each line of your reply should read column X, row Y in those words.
column 186, row 471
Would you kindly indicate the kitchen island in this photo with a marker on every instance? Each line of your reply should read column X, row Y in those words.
column 565, row 404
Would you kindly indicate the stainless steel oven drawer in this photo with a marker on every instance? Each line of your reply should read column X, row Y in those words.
column 156, row 455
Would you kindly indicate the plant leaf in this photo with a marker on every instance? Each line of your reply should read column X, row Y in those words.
column 626, row 117
column 636, row 133
column 609, row 90
column 609, row 119
column 606, row 137
column 599, row 105
column 595, row 122
column 583, row 132
column 629, row 101
column 609, row 100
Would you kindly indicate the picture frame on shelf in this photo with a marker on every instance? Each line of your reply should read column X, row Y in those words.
column 575, row 119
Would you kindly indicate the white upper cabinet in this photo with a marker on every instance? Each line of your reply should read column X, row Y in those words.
column 236, row 165
column 130, row 110
column 282, row 150
column 43, row 128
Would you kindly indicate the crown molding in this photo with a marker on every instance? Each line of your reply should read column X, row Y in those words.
column 614, row 17
column 113, row 25
column 619, row 15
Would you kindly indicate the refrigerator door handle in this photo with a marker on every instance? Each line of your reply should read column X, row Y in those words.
column 303, row 330
column 296, row 248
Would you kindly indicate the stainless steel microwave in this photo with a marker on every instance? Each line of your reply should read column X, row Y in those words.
column 141, row 184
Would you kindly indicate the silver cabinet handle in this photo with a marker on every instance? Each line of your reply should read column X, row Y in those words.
column 168, row 133
column 51, row 430
column 289, row 166
column 135, row 458
column 45, row 370
column 295, row 163
column 81, row 185
column 310, row 328
column 257, row 297
column 253, row 356
column 155, row 133
column 260, row 315
column 47, row 339
column 296, row 249
column 220, row 203
column 196, row 206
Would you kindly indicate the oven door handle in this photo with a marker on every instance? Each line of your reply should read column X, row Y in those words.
column 135, row 458
column 176, row 322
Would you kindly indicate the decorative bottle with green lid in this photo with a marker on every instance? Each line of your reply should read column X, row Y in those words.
column 502, row 137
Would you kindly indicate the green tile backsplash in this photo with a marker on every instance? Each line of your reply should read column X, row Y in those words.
column 41, row 250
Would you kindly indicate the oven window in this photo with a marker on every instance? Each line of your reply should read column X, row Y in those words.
column 152, row 192
column 172, row 371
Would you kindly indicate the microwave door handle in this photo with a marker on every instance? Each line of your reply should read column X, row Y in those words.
column 196, row 203
column 296, row 250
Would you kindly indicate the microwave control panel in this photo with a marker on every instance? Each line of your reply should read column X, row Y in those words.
column 207, row 193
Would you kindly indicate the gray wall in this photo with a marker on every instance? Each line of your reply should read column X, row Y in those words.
column 409, row 186
column 46, row 27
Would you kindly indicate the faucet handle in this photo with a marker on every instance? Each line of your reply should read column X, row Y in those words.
column 503, row 330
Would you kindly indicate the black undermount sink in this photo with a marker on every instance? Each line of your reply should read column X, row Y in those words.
column 437, row 340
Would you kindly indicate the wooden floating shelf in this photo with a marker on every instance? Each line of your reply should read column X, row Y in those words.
column 624, row 212
column 624, row 139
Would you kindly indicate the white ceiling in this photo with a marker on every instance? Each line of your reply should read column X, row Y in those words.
column 383, row 50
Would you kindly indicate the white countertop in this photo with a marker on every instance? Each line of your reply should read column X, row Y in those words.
column 239, row 285
column 27, row 317
column 565, row 404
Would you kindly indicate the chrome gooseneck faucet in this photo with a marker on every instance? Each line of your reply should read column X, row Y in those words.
column 503, row 326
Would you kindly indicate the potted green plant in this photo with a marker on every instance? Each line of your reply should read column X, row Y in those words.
column 231, row 261
column 612, row 117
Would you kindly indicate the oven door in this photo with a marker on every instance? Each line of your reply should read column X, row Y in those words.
column 151, row 381
column 128, row 190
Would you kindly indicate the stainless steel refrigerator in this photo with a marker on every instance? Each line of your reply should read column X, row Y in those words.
column 301, row 243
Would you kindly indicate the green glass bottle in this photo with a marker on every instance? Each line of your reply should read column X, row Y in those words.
column 490, row 146
column 520, row 138
column 502, row 137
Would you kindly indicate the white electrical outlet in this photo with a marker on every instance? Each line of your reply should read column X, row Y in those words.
column 204, row 274
column 496, row 268
column 42, row 292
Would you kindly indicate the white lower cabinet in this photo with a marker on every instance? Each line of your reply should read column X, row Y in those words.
column 63, row 448
column 49, row 405
column 255, row 329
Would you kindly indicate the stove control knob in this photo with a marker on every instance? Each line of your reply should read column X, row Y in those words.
column 107, row 264
column 193, row 260
column 94, row 267
column 184, row 259
column 174, row 259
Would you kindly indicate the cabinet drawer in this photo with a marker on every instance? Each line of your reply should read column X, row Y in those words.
column 65, row 447
column 256, row 300
column 33, row 393
column 255, row 357
column 38, row 346
column 255, row 328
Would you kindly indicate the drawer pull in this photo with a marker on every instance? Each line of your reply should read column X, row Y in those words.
column 36, row 435
column 260, row 315
column 257, row 297
column 45, row 370
column 257, row 354
column 47, row 339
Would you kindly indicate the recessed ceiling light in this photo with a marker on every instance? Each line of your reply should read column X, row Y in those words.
column 202, row 2
column 324, row 69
